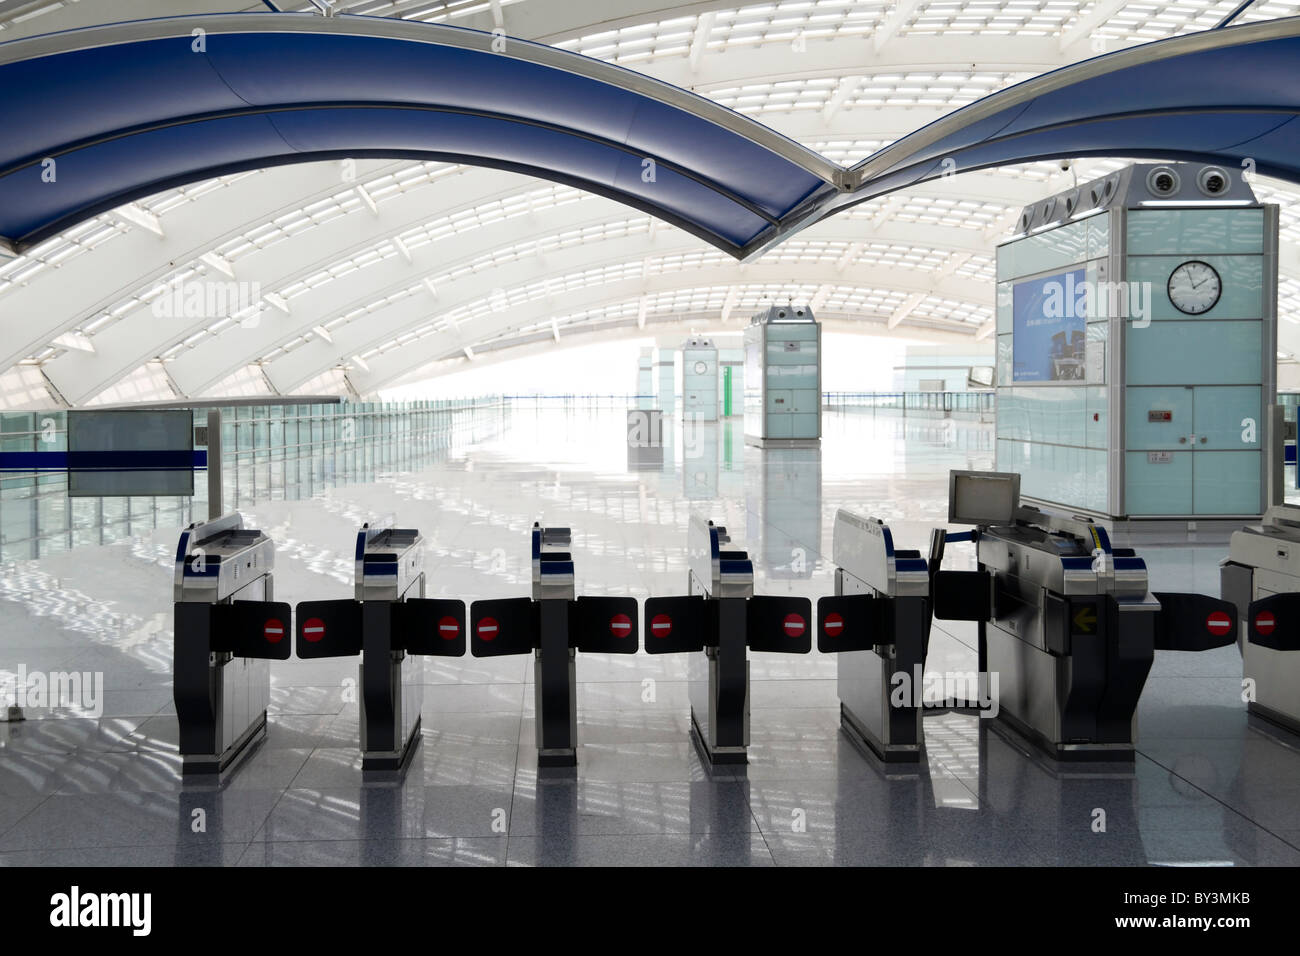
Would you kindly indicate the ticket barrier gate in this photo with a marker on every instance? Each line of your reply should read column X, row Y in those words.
column 390, row 624
column 718, row 622
column 1066, row 621
column 553, row 625
column 879, row 623
column 227, row 627
column 1261, row 577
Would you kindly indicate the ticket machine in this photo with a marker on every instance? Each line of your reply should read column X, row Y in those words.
column 1066, row 621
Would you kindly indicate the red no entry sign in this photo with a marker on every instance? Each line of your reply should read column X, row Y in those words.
column 1218, row 623
column 449, row 628
column 273, row 630
column 1265, row 622
column 793, row 625
column 620, row 625
column 313, row 629
column 487, row 629
column 833, row 625
column 661, row 625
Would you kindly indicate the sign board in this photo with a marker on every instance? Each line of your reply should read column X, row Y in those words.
column 1159, row 457
column 130, row 452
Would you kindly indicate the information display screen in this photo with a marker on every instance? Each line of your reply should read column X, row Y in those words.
column 983, row 497
column 130, row 452
column 1049, row 315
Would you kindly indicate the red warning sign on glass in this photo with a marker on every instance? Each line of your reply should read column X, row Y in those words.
column 661, row 625
column 449, row 628
column 620, row 625
column 833, row 625
column 794, row 625
column 273, row 630
column 1265, row 622
column 313, row 629
column 488, row 629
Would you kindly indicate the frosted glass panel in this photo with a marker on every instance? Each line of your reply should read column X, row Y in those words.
column 1213, row 353
column 1227, row 482
column 1158, row 483
column 1074, row 477
column 1189, row 232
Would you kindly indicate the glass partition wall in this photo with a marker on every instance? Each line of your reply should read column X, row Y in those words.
column 268, row 451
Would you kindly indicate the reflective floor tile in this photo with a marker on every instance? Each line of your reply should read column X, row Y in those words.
column 466, row 851
column 71, row 735
column 545, row 807
column 674, row 849
column 387, row 813
column 141, row 818
column 191, row 854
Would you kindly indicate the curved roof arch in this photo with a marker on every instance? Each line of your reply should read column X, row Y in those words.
column 1223, row 95
column 128, row 109
column 74, row 308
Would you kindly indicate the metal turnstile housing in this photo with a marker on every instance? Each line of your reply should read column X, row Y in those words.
column 899, row 582
column 389, row 568
column 1263, row 562
column 224, row 612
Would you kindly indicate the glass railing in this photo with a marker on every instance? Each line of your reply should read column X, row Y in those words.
column 971, row 403
column 269, row 452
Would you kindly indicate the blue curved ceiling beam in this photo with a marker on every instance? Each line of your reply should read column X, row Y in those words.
column 126, row 110
column 1224, row 95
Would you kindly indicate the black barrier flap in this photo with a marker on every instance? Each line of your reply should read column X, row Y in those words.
column 328, row 629
column 433, row 626
column 781, row 625
column 260, row 629
column 603, row 625
column 962, row 596
column 675, row 625
column 1194, row 622
column 506, row 626
column 851, row 622
column 1275, row 622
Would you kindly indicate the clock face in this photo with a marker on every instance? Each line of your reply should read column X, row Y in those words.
column 700, row 368
column 1194, row 287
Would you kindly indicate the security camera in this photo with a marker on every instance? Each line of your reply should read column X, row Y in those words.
column 1065, row 165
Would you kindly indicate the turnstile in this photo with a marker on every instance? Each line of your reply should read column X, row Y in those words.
column 717, row 622
column 1261, row 577
column 392, row 626
column 879, row 623
column 1066, row 621
column 226, row 629
column 553, row 625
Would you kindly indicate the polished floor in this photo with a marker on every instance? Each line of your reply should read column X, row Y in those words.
column 1209, row 787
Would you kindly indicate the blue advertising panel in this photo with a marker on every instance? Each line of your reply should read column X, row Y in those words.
column 1048, row 336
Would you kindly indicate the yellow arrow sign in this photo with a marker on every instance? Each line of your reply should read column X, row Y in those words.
column 1085, row 619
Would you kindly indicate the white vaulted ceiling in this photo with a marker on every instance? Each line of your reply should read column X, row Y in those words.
column 376, row 272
